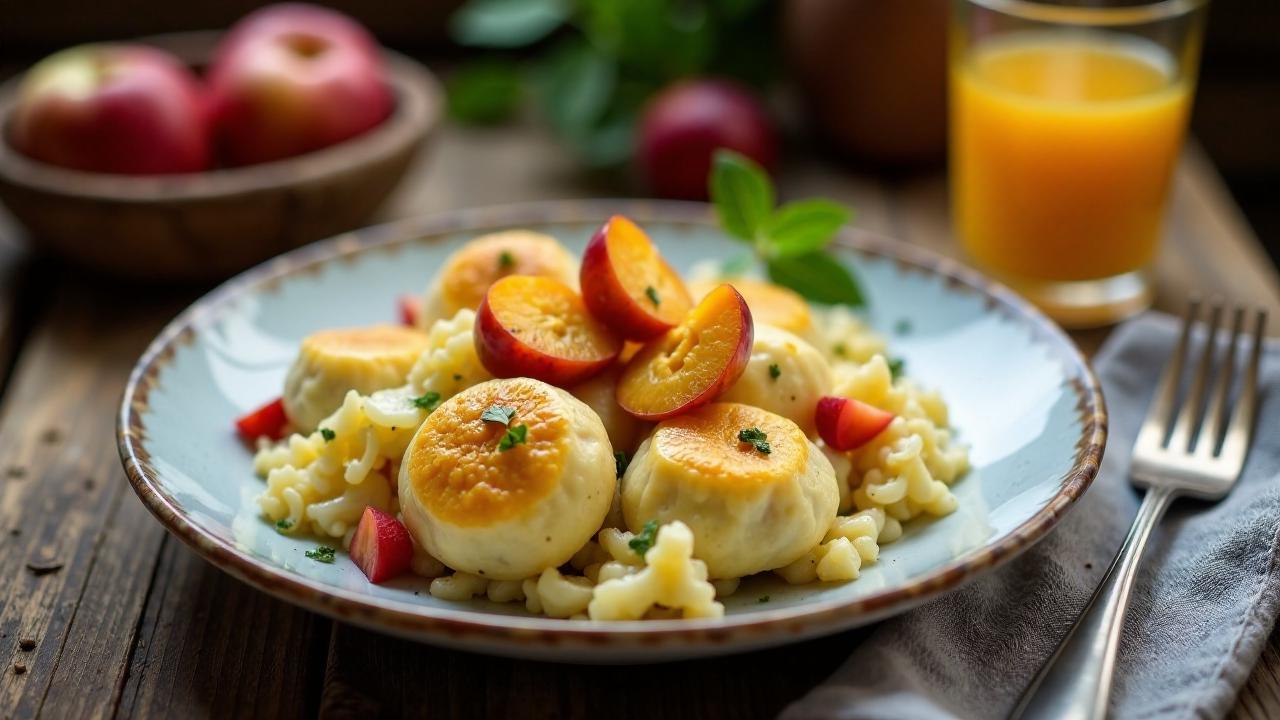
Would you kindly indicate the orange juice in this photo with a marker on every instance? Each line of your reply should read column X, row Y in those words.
column 1062, row 150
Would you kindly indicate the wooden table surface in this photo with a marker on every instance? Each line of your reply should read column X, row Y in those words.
column 132, row 623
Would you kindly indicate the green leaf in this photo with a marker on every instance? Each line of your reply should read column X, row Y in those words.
column 324, row 554
column 755, row 437
column 498, row 414
column 484, row 93
column 742, row 193
column 609, row 142
column 574, row 86
column 818, row 277
column 620, row 463
column 429, row 401
column 736, row 8
column 514, row 436
column 641, row 543
column 507, row 23
column 896, row 367
column 655, row 40
column 804, row 226
column 328, row 434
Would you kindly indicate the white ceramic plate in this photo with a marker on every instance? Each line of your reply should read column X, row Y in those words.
column 1020, row 395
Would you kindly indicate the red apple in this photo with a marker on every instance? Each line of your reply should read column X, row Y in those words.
column 538, row 327
column 848, row 424
column 381, row 546
column 293, row 78
column 627, row 285
column 112, row 109
column 692, row 363
column 686, row 123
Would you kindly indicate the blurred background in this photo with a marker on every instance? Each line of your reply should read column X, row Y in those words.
column 1237, row 105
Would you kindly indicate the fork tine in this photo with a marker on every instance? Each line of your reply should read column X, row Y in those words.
column 1236, row 442
column 1184, row 429
column 1160, row 415
column 1207, row 446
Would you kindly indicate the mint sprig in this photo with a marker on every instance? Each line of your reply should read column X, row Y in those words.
column 790, row 240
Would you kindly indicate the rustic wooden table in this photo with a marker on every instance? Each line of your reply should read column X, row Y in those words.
column 132, row 623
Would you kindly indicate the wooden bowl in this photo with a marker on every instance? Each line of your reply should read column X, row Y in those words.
column 211, row 224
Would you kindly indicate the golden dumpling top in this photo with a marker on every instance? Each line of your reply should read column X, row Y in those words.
column 365, row 343
column 332, row 362
column 469, row 272
column 457, row 469
column 705, row 444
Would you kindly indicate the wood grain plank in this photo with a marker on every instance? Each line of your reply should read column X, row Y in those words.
column 59, row 492
column 371, row 675
column 91, row 669
column 15, row 269
column 215, row 647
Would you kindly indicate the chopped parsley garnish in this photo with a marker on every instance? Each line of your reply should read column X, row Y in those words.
column 429, row 401
column 840, row 350
column 755, row 437
column 902, row 327
column 499, row 414
column 641, row 543
column 514, row 436
column 620, row 462
column 652, row 293
column 328, row 434
column 896, row 366
column 324, row 554
column 506, row 260
column 762, row 599
column 775, row 372
column 284, row 524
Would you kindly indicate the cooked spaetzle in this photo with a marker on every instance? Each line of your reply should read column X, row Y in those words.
column 519, row 496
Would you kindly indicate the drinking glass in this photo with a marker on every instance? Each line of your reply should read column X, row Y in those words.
column 1067, row 121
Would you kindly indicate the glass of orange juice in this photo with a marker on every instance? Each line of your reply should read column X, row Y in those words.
column 1067, row 120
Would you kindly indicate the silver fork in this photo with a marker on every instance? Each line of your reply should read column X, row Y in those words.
column 1185, row 459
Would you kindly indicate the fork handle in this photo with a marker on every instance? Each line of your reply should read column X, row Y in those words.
column 1075, row 683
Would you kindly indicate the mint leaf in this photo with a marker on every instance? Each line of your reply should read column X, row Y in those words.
column 498, row 414
column 514, row 436
column 507, row 23
column 818, row 277
column 484, row 93
column 804, row 226
column 742, row 194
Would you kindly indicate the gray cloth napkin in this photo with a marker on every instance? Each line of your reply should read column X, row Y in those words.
column 1207, row 594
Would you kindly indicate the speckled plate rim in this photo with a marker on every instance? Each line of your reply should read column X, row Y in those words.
column 514, row 634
